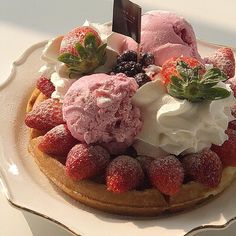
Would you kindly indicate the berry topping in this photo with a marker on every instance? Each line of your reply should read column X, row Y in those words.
column 57, row 141
column 130, row 68
column 184, row 81
column 227, row 151
column 166, row 174
column 127, row 56
column 82, row 51
column 45, row 115
column 45, row 86
column 129, row 64
column 204, row 167
column 147, row 59
column 224, row 60
column 85, row 161
column 124, row 173
column 141, row 79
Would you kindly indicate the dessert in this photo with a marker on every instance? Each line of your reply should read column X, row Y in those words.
column 135, row 134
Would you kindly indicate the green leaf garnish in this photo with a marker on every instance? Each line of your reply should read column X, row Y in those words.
column 90, row 56
column 195, row 87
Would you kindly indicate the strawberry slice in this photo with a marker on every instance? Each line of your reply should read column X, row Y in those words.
column 85, row 161
column 45, row 86
column 204, row 167
column 45, row 115
column 82, row 51
column 124, row 173
column 166, row 174
column 223, row 58
column 227, row 151
column 57, row 141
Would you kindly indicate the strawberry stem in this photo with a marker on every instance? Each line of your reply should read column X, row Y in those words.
column 195, row 87
column 90, row 56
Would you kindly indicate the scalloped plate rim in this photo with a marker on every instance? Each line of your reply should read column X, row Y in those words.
column 3, row 179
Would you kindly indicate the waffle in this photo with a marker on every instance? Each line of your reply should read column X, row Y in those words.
column 148, row 202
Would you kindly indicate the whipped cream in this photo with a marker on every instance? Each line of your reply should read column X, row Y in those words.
column 178, row 126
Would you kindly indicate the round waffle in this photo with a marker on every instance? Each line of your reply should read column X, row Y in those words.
column 148, row 202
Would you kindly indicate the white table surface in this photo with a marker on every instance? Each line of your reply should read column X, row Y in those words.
column 25, row 22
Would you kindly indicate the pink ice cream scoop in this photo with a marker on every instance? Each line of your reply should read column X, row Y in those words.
column 98, row 109
column 165, row 35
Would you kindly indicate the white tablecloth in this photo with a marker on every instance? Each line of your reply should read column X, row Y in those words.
column 25, row 22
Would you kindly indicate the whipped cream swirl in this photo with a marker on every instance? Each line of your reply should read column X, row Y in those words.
column 178, row 126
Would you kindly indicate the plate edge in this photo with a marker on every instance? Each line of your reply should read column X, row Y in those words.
column 3, row 179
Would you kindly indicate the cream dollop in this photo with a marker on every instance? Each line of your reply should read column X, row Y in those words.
column 178, row 126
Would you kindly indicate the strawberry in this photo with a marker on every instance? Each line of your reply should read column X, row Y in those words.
column 204, row 167
column 45, row 86
column 167, row 174
column 57, row 141
column 169, row 68
column 124, row 173
column 75, row 36
column 227, row 151
column 82, row 51
column 232, row 124
column 186, row 78
column 45, row 115
column 85, row 161
column 223, row 58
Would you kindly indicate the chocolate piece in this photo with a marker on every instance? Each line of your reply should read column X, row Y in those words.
column 127, row 19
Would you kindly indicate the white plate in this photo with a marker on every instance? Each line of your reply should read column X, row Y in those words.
column 27, row 188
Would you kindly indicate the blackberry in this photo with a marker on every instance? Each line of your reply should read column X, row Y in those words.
column 130, row 68
column 127, row 56
column 141, row 79
column 147, row 59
